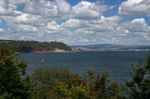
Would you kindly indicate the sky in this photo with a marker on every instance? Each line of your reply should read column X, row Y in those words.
column 76, row 22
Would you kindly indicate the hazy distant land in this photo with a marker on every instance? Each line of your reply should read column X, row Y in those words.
column 111, row 47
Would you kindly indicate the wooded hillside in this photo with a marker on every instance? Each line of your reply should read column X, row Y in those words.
column 30, row 46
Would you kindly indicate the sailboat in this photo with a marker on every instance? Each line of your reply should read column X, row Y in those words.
column 42, row 60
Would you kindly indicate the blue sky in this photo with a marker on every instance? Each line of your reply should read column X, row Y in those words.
column 76, row 22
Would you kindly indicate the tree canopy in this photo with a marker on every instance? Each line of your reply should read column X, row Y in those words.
column 29, row 46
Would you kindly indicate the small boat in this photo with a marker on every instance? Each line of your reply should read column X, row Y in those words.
column 42, row 60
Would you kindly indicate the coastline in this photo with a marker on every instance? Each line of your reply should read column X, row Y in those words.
column 91, row 51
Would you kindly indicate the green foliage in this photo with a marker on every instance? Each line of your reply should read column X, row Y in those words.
column 46, row 79
column 60, row 83
column 29, row 46
column 13, row 83
column 139, row 86
column 80, row 92
column 101, row 87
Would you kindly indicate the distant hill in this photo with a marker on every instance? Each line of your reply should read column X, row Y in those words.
column 111, row 47
column 34, row 46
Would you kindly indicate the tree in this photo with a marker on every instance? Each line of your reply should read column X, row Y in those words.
column 46, row 83
column 60, row 83
column 139, row 86
column 13, row 82
column 29, row 46
column 103, row 88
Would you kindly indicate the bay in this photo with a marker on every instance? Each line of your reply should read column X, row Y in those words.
column 117, row 63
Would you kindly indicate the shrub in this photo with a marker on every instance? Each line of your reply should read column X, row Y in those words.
column 139, row 86
column 13, row 83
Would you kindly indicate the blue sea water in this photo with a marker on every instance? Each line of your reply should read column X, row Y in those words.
column 117, row 63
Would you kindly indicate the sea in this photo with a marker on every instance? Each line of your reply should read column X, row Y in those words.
column 117, row 63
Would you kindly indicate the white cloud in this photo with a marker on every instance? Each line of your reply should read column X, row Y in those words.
column 21, row 28
column 5, row 7
column 138, row 25
column 137, row 31
column 19, row 1
column 52, row 26
column 63, row 6
column 74, row 23
column 135, row 8
column 8, row 9
column 2, row 30
column 87, row 10
column 25, row 18
column 44, row 8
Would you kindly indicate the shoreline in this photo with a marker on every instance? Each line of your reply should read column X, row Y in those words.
column 88, row 51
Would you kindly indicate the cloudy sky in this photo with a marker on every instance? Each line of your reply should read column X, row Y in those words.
column 76, row 22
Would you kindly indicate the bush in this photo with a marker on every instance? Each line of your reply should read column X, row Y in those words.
column 46, row 79
column 60, row 83
column 139, row 86
column 13, row 83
